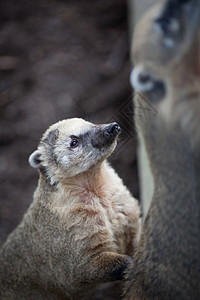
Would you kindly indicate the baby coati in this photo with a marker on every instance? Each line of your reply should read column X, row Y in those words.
column 83, row 224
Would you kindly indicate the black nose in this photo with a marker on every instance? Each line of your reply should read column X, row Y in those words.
column 112, row 130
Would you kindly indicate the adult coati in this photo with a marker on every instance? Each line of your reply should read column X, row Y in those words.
column 166, row 53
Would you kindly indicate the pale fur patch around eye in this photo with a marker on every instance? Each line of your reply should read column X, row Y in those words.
column 137, row 84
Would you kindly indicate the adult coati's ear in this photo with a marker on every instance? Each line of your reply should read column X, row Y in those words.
column 34, row 159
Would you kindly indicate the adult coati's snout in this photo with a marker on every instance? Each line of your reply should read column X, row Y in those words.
column 143, row 82
column 106, row 135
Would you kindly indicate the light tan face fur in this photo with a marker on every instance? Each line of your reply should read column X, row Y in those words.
column 71, row 147
column 160, row 41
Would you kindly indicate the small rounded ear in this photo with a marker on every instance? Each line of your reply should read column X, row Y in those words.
column 34, row 159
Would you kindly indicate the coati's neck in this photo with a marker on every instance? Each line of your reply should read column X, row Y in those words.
column 172, row 155
column 175, row 209
column 89, row 182
column 171, row 232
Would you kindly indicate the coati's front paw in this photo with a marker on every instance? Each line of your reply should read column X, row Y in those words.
column 111, row 266
column 121, row 266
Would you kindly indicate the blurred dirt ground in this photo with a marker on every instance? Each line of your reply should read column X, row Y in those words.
column 59, row 59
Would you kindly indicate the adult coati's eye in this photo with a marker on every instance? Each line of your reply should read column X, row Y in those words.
column 184, row 1
column 74, row 143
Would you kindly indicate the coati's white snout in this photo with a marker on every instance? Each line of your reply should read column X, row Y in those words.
column 140, row 80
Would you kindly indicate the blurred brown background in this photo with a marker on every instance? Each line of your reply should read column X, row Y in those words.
column 59, row 59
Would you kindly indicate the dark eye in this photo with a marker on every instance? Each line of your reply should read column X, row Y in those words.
column 74, row 143
column 184, row 1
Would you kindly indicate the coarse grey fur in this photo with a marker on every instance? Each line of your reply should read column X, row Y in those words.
column 166, row 48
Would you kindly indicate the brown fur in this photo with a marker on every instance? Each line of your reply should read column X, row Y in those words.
column 166, row 263
column 83, row 223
